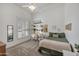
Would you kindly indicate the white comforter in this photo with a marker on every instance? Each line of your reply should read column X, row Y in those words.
column 55, row 45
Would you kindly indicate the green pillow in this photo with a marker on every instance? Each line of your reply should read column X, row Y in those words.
column 50, row 34
column 55, row 35
column 62, row 35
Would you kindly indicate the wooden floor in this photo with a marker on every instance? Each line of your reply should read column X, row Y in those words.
column 29, row 48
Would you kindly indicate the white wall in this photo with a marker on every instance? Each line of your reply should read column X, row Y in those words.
column 52, row 14
column 9, row 14
column 72, row 16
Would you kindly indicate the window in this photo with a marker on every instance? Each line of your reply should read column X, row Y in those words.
column 22, row 30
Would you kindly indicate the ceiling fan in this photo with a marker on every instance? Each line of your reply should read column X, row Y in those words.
column 31, row 6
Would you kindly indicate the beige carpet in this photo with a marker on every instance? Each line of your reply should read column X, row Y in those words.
column 29, row 48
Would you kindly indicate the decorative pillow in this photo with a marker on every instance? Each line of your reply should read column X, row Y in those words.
column 55, row 35
column 62, row 35
column 50, row 34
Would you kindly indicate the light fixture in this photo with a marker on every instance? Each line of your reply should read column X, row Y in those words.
column 31, row 7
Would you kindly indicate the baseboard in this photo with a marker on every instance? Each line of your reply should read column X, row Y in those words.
column 18, row 44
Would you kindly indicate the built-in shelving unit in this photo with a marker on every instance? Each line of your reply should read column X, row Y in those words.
column 37, row 27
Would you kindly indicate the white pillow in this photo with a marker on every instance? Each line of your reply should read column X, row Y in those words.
column 55, row 35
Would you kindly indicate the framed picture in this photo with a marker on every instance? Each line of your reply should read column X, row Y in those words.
column 9, row 33
column 68, row 27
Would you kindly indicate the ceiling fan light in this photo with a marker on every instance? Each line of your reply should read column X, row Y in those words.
column 32, row 7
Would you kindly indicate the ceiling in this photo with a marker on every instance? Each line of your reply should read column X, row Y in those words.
column 37, row 5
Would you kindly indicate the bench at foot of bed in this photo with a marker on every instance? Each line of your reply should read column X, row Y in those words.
column 49, row 52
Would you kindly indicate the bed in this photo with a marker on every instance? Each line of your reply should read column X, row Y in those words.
column 54, row 45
